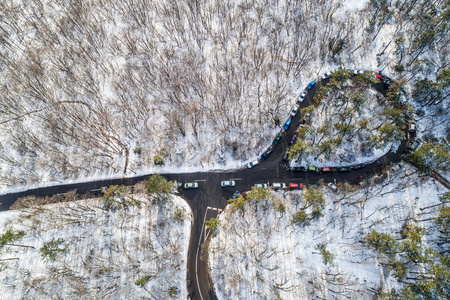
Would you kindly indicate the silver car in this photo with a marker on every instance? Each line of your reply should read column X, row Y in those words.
column 191, row 185
column 226, row 183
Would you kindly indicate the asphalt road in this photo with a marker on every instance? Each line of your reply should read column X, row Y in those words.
column 210, row 196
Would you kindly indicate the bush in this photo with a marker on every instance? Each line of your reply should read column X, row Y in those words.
column 137, row 150
column 327, row 257
column 173, row 291
column 381, row 242
column 142, row 281
column 179, row 215
column 158, row 160
column 159, row 188
column 9, row 237
column 213, row 225
column 300, row 218
column 53, row 248
column 399, row 68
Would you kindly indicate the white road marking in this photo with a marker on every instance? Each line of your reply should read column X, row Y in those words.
column 196, row 257
column 236, row 179
column 200, row 180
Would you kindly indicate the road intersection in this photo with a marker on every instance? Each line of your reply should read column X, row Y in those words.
column 211, row 197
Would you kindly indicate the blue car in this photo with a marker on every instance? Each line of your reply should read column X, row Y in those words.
column 310, row 85
column 286, row 125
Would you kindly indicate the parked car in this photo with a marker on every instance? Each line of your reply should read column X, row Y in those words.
column 261, row 185
column 266, row 154
column 295, row 186
column 332, row 186
column 252, row 164
column 279, row 185
column 298, row 169
column 276, row 140
column 286, row 125
column 311, row 84
column 191, row 185
column 314, row 169
column 344, row 169
column 415, row 145
column 302, row 97
column 286, row 155
column 360, row 166
column 313, row 185
column 294, row 110
column 326, row 169
column 412, row 127
column 326, row 75
column 294, row 139
column 357, row 72
column 235, row 195
column 226, row 183
column 397, row 167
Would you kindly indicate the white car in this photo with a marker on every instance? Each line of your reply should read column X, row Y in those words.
column 191, row 185
column 302, row 97
column 226, row 183
column 261, row 185
column 279, row 185
column 332, row 186
column 252, row 164
column 326, row 75
column 357, row 72
column 294, row 110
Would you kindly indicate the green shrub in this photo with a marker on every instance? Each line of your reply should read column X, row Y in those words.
column 142, row 281
column 300, row 218
column 158, row 160
column 9, row 237
column 173, row 291
column 53, row 248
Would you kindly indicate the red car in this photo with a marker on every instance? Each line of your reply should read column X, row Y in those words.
column 328, row 169
column 295, row 186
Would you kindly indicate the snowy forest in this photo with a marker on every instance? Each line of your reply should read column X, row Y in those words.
column 98, row 88
column 384, row 239
column 128, row 244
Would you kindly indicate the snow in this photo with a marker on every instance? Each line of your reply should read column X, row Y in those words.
column 107, row 251
column 260, row 254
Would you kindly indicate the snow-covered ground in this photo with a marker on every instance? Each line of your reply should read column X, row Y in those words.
column 106, row 251
column 260, row 254
column 98, row 89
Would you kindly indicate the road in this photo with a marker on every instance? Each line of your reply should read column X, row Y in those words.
column 211, row 195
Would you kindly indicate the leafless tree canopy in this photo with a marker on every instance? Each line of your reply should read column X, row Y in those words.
column 85, row 84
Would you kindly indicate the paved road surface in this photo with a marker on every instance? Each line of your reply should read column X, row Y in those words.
column 211, row 194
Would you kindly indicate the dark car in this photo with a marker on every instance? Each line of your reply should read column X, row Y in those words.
column 235, row 195
column 266, row 154
column 276, row 140
column 294, row 139
column 344, row 169
column 313, row 185
column 360, row 166
column 298, row 169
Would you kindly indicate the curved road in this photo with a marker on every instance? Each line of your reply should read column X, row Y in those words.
column 211, row 195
